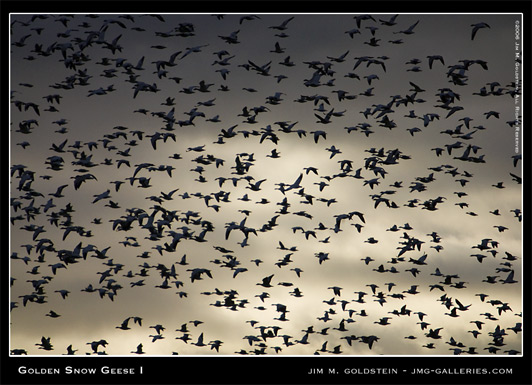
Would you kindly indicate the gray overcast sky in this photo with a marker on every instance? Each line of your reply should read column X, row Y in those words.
column 466, row 79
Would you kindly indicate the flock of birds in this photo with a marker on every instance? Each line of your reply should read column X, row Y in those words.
column 140, row 230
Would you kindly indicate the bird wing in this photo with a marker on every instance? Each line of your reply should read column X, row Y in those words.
column 296, row 184
column 474, row 32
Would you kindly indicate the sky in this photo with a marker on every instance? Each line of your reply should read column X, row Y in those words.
column 342, row 83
